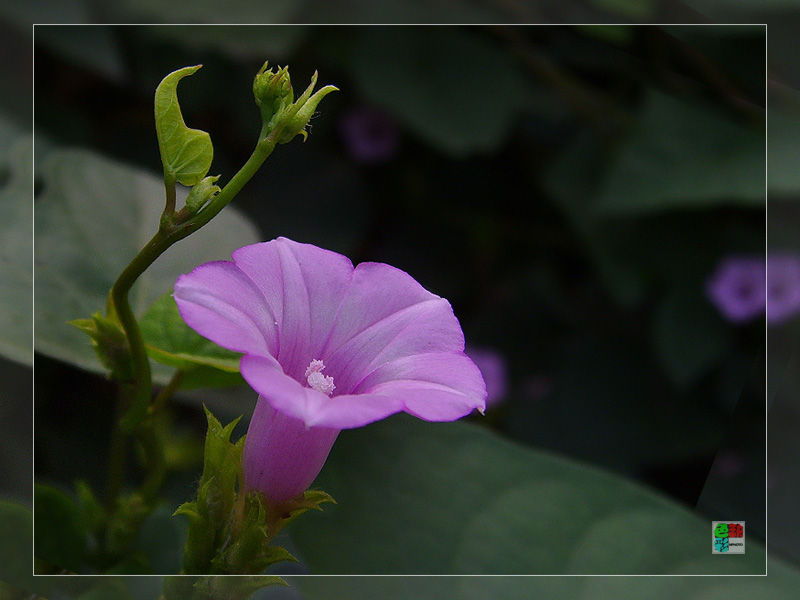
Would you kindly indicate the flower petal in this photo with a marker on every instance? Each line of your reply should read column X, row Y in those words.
column 385, row 315
column 221, row 303
column 314, row 408
column 303, row 286
column 434, row 386
column 282, row 391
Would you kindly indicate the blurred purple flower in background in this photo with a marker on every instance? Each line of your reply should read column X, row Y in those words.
column 738, row 288
column 493, row 368
column 327, row 347
column 370, row 135
column 744, row 287
column 783, row 287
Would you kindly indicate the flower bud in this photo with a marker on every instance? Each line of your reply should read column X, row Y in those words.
column 201, row 193
column 275, row 97
column 273, row 93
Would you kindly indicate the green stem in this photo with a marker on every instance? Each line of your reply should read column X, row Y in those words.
column 262, row 151
column 163, row 239
column 142, row 378
column 167, row 392
column 169, row 205
column 116, row 456
column 154, row 460
column 171, row 230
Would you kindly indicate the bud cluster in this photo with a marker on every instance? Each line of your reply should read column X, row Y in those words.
column 280, row 112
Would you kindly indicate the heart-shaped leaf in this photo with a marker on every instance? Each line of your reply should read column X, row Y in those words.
column 185, row 153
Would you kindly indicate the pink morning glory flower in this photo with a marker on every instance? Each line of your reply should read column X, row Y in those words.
column 327, row 347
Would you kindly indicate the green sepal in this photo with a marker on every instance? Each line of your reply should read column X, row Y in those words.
column 310, row 500
column 109, row 342
column 186, row 154
column 249, row 551
column 303, row 110
column 230, row 528
column 210, row 514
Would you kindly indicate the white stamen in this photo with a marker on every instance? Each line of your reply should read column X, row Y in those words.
column 318, row 381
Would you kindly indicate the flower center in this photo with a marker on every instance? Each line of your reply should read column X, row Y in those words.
column 318, row 381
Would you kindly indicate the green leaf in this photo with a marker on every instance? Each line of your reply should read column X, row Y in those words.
column 16, row 525
column 690, row 337
column 718, row 8
column 455, row 498
column 59, row 534
column 16, row 568
column 784, row 150
column 185, row 153
column 160, row 539
column 207, row 11
column 214, row 587
column 681, row 155
column 92, row 218
column 15, row 252
column 631, row 9
column 781, row 584
column 449, row 86
column 171, row 341
column 276, row 41
column 95, row 48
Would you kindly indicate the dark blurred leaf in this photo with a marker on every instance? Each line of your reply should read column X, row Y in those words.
column 94, row 47
column 161, row 540
column 46, row 11
column 781, row 584
column 572, row 180
column 92, row 218
column 690, row 337
column 629, row 9
column 454, row 498
column 424, row 11
column 683, row 155
column 450, row 86
column 784, row 154
column 610, row 406
column 273, row 42
column 16, row 552
column 15, row 253
column 111, row 589
column 711, row 7
column 59, row 535
column 208, row 11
